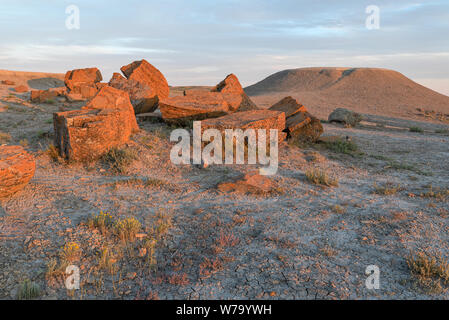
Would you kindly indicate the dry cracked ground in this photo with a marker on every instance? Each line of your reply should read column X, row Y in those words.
column 307, row 241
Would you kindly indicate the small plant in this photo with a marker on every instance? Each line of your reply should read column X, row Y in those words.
column 4, row 137
column 70, row 252
column 405, row 166
column 162, row 225
column 53, row 153
column 119, row 159
column 149, row 246
column 50, row 101
column 24, row 143
column 439, row 194
column 442, row 131
column 126, row 229
column 416, row 129
column 431, row 271
column 28, row 290
column 388, row 189
column 321, row 177
column 344, row 146
column 338, row 209
column 102, row 221
column 107, row 261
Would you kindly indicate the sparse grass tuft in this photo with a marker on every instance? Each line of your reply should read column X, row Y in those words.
column 107, row 261
column 387, row 189
column 24, row 143
column 28, row 290
column 416, row 129
column 53, row 153
column 439, row 194
column 343, row 146
column 127, row 228
column 431, row 271
column 321, row 177
column 148, row 247
column 405, row 166
column 102, row 221
column 162, row 225
column 338, row 209
column 4, row 137
column 119, row 160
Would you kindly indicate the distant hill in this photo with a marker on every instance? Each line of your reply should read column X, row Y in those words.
column 367, row 90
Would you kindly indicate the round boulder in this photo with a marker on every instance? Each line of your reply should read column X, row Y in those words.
column 345, row 116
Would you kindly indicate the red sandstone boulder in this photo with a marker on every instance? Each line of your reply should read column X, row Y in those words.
column 107, row 121
column 143, row 98
column 144, row 72
column 236, row 102
column 254, row 119
column 300, row 124
column 230, row 84
column 8, row 82
column 251, row 183
column 233, row 93
column 83, row 81
column 43, row 96
column 21, row 89
column 16, row 169
column 187, row 108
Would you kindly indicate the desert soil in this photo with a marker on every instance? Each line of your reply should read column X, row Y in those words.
column 306, row 242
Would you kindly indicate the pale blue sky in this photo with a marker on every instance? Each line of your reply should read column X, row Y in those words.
column 201, row 41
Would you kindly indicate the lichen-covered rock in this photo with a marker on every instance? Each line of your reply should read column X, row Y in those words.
column 233, row 93
column 304, row 127
column 254, row 119
column 83, row 81
column 144, row 72
column 143, row 98
column 21, row 89
column 198, row 107
column 230, row 84
column 8, row 83
column 107, row 121
column 16, row 169
column 43, row 96
column 288, row 105
column 345, row 116
column 300, row 124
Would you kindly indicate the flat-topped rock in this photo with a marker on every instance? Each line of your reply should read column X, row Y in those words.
column 254, row 119
column 8, row 83
column 107, row 121
column 17, row 168
column 197, row 107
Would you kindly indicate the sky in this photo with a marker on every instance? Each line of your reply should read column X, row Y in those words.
column 199, row 42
